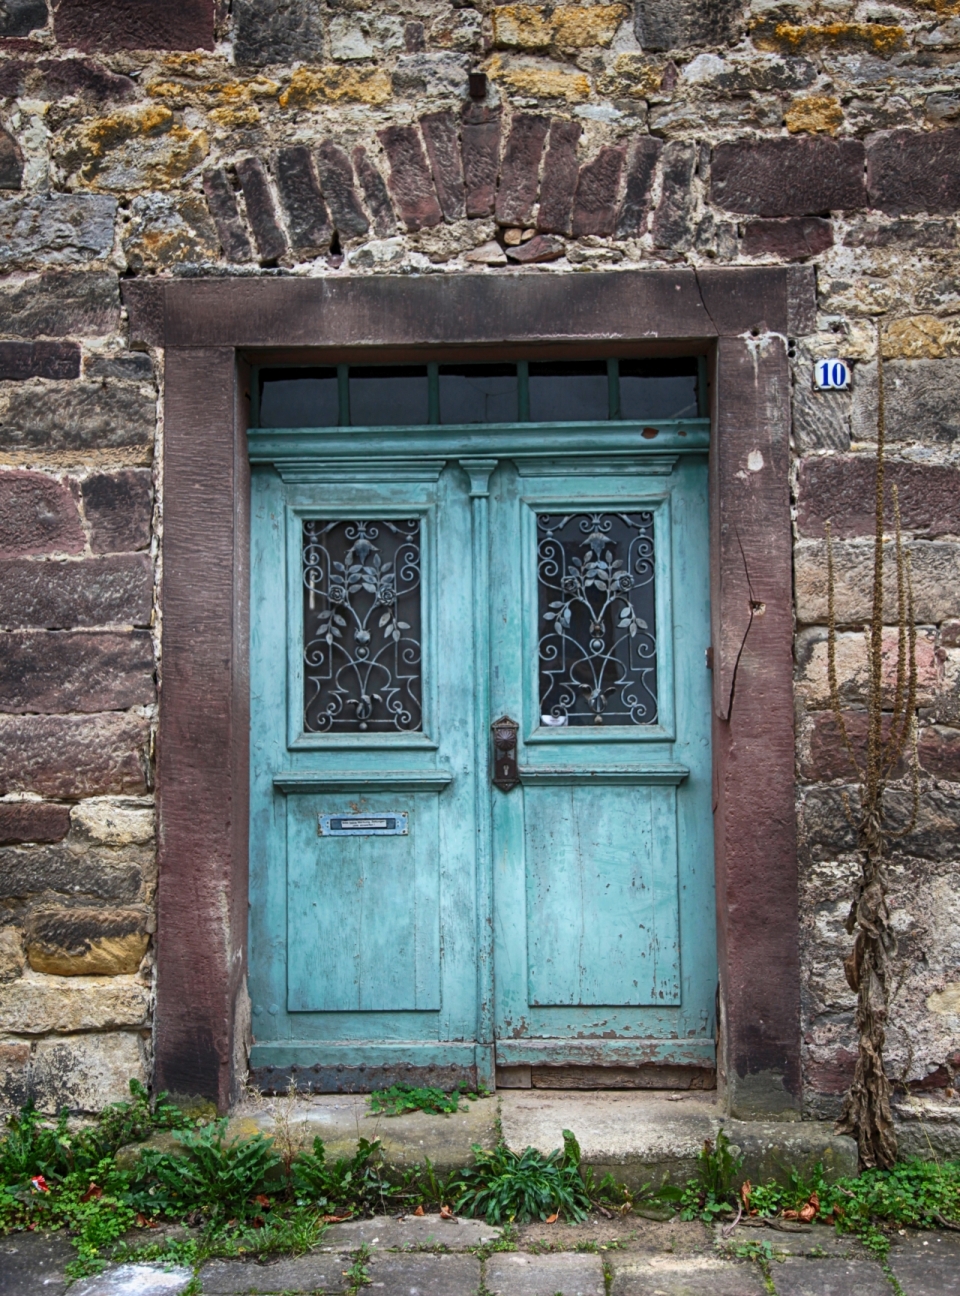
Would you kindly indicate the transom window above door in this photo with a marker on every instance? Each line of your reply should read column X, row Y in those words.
column 549, row 392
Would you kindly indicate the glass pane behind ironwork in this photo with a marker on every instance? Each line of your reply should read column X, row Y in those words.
column 597, row 646
column 389, row 396
column 658, row 389
column 299, row 398
column 569, row 391
column 479, row 393
column 361, row 626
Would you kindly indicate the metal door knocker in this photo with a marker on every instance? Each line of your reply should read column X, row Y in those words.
column 505, row 772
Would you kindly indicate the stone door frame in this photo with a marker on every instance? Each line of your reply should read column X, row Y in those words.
column 209, row 330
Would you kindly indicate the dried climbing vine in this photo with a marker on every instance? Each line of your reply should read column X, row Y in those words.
column 867, row 1113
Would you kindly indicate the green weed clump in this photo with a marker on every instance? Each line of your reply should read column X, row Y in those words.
column 505, row 1186
column 400, row 1098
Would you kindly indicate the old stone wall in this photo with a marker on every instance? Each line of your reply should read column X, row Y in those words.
column 339, row 137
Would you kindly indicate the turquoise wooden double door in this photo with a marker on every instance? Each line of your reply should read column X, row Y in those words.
column 480, row 748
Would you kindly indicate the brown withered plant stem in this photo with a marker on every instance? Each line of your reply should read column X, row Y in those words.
column 867, row 1114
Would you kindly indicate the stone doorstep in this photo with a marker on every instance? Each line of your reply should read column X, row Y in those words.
column 641, row 1137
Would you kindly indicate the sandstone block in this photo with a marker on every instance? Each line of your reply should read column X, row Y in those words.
column 38, row 514
column 76, row 416
column 73, row 756
column 520, row 169
column 118, row 507
column 914, row 171
column 60, row 303
column 921, row 337
column 939, row 752
column 82, row 77
column 39, row 1005
column 86, row 1072
column 442, row 75
column 271, row 241
column 19, row 360
column 44, row 671
column 12, row 958
column 788, row 177
column 11, row 162
column 824, row 756
column 128, row 366
column 366, row 35
column 935, row 566
column 21, row 17
column 86, row 942
column 881, row 40
column 737, row 75
column 142, row 147
column 55, row 229
column 922, row 400
column 277, row 31
column 815, row 113
column 559, row 183
column 441, row 136
column 14, row 1073
column 542, row 247
column 309, row 89
column 641, row 165
column 853, row 677
column 790, row 240
column 632, row 76
column 480, row 150
column 336, row 180
column 64, row 595
column 32, row 821
column 840, row 490
column 678, row 24
column 113, row 824
column 595, row 201
column 58, row 870
column 570, row 27
column 168, row 230
column 375, row 194
column 129, row 24
column 307, row 217
column 226, row 215
column 539, row 80
column 673, row 219
column 410, row 183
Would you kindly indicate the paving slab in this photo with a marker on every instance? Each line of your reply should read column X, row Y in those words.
column 33, row 1263
column 928, row 1264
column 136, row 1280
column 831, row 1278
column 410, row 1233
column 341, row 1120
column 423, row 1275
column 306, row 1273
column 512, row 1273
column 817, row 1240
column 684, row 1276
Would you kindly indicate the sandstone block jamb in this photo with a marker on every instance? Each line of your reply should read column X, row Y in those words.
column 44, row 671
column 73, row 756
column 56, row 595
column 914, row 171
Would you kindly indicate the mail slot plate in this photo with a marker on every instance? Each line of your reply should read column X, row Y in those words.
column 372, row 825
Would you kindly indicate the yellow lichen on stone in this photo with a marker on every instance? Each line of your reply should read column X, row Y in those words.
column 534, row 27
column 213, row 94
column 921, row 337
column 108, row 956
column 308, row 89
column 99, row 136
column 229, row 117
column 883, row 39
column 633, row 76
column 540, row 80
column 814, row 113
column 141, row 147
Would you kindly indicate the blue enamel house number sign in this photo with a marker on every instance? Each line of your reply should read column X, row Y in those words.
column 831, row 375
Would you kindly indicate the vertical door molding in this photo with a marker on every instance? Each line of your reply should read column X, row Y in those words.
column 480, row 471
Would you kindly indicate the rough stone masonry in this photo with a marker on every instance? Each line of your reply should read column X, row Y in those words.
column 142, row 138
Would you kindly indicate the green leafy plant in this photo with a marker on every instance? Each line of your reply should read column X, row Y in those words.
column 400, row 1098
column 217, row 1177
column 504, row 1185
column 713, row 1192
column 349, row 1183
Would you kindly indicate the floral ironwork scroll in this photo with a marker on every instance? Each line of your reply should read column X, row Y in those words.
column 597, row 649
column 361, row 621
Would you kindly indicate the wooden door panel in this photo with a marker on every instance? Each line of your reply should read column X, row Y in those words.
column 602, row 906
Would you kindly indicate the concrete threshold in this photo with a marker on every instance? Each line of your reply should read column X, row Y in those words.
column 650, row 1136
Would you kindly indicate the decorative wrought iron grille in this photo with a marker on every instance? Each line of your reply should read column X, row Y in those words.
column 597, row 651
column 361, row 626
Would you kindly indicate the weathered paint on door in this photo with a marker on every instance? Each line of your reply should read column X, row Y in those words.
column 569, row 920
